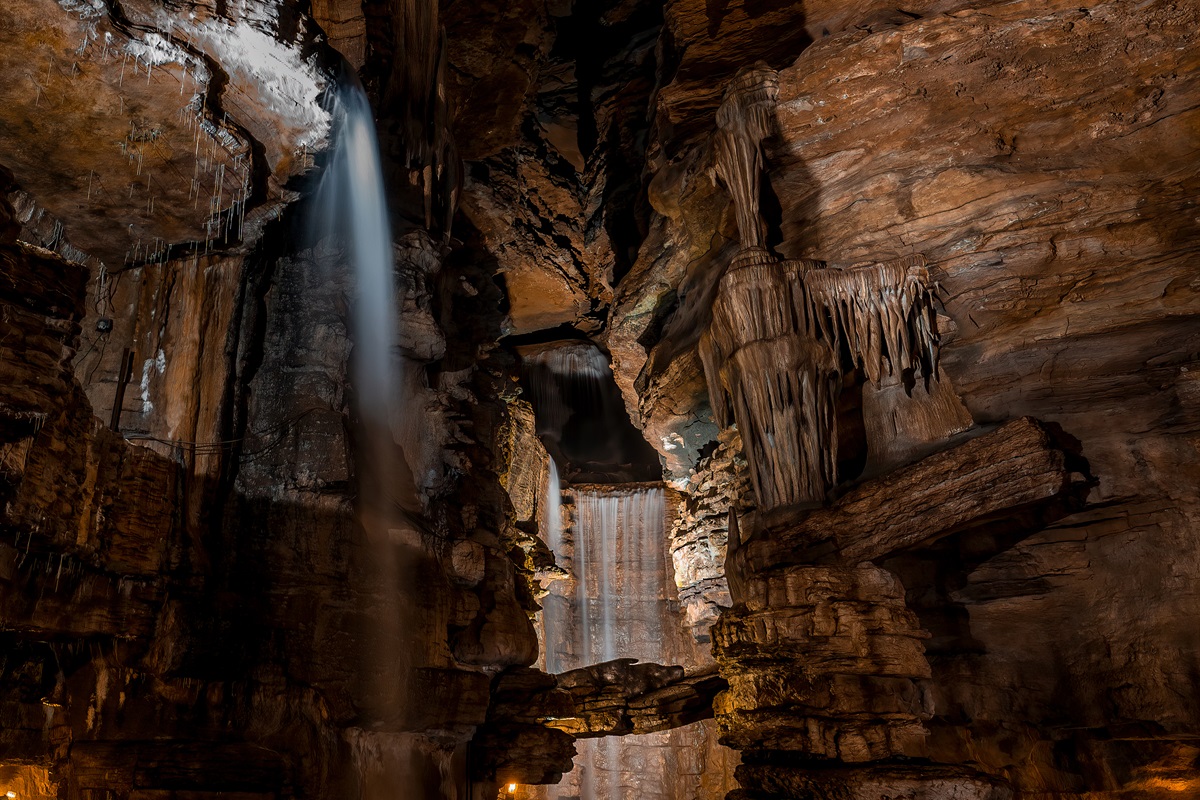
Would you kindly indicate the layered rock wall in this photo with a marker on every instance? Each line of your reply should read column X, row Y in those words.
column 1038, row 159
column 186, row 596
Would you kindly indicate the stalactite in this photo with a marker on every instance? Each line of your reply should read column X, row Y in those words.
column 783, row 332
column 413, row 89
column 769, row 373
column 743, row 121
column 784, row 392
column 416, row 94
column 883, row 314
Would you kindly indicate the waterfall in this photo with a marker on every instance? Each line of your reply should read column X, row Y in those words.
column 619, row 552
column 351, row 208
column 554, row 613
column 353, row 203
column 566, row 378
column 615, row 552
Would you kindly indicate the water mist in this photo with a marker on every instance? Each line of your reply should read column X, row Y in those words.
column 615, row 552
column 352, row 205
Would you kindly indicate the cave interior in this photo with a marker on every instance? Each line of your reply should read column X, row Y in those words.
column 599, row 400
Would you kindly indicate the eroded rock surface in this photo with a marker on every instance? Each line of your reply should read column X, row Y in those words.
column 187, row 601
column 144, row 128
column 534, row 719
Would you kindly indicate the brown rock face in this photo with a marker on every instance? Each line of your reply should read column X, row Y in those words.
column 1019, row 476
column 904, row 296
column 194, row 589
column 1037, row 158
column 144, row 128
column 825, row 663
column 531, row 217
column 534, row 719
column 1061, row 272
column 700, row 534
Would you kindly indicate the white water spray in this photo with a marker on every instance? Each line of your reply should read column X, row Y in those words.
column 357, row 202
column 554, row 611
column 352, row 208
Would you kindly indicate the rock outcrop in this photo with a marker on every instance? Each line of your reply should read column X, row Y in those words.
column 825, row 661
column 870, row 282
column 1035, row 156
column 184, row 130
column 534, row 718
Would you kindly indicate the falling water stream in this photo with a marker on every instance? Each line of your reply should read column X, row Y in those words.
column 352, row 206
column 615, row 551
column 354, row 201
column 555, row 612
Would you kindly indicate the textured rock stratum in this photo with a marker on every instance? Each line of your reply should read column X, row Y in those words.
column 912, row 324
column 1041, row 158
column 146, row 128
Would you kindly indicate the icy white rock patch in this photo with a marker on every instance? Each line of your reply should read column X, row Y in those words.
column 153, row 50
column 86, row 9
column 287, row 85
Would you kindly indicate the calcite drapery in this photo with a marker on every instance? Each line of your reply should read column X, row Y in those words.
column 776, row 381
column 743, row 121
column 782, row 332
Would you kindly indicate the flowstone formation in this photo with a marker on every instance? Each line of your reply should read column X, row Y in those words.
column 828, row 681
column 783, row 332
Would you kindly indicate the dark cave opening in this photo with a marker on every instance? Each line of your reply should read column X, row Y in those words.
column 581, row 416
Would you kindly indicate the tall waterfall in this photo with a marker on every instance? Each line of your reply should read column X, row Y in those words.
column 352, row 208
column 614, row 607
column 353, row 202
column 554, row 612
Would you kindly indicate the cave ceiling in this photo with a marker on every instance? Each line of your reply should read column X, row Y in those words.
column 149, row 127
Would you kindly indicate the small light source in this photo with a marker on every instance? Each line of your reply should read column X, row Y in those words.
column 512, row 787
column 10, row 795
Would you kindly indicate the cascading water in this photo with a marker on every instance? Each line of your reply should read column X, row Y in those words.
column 618, row 597
column 554, row 611
column 615, row 552
column 575, row 413
column 352, row 208
column 352, row 200
column 619, row 552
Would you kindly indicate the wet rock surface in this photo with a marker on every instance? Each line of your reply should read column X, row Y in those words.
column 188, row 603
column 535, row 719
column 146, row 128
column 194, row 588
